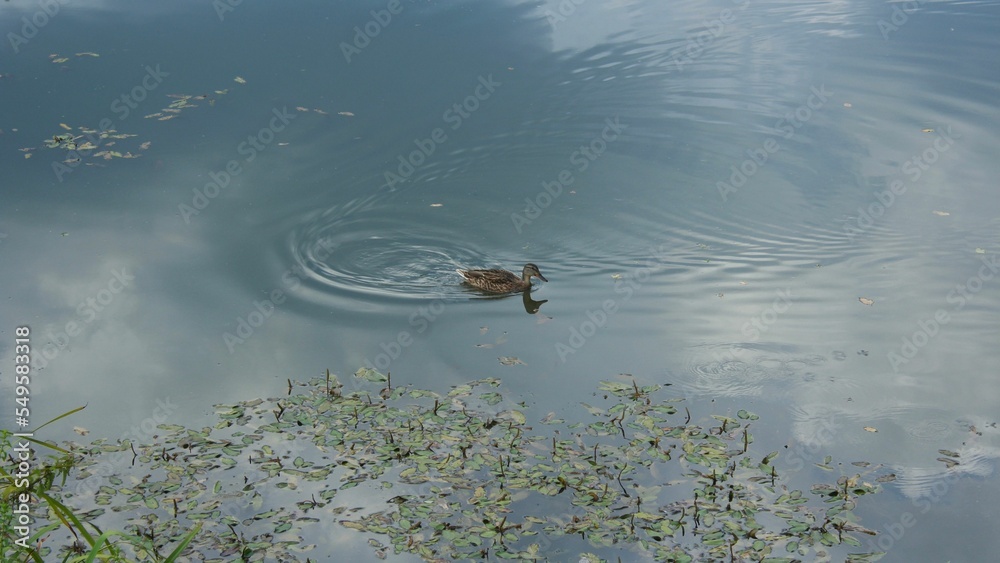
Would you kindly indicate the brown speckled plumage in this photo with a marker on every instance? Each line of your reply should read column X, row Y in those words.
column 502, row 281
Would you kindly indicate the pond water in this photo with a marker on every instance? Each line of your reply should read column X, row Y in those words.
column 783, row 206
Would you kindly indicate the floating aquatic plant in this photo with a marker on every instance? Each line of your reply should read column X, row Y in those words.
column 472, row 478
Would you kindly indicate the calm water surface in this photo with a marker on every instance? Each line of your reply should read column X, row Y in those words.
column 783, row 206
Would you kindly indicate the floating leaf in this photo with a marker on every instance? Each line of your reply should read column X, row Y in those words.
column 458, row 464
column 866, row 301
column 510, row 360
column 371, row 375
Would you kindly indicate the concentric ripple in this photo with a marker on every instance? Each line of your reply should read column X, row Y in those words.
column 740, row 370
column 365, row 253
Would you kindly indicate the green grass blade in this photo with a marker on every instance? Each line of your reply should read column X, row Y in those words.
column 184, row 543
column 64, row 513
column 63, row 415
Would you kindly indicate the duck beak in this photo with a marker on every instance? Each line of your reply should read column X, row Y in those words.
column 540, row 276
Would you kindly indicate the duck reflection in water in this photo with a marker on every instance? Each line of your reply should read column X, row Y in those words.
column 530, row 305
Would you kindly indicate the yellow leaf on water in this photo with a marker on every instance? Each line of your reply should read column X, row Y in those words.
column 66, row 127
column 60, row 60
column 437, row 204
column 870, row 429
column 345, row 113
column 240, row 80
column 941, row 213
column 980, row 251
column 27, row 155
column 927, row 130
column 866, row 301
column 87, row 54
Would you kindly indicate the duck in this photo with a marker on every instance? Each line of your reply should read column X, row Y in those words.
column 502, row 281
